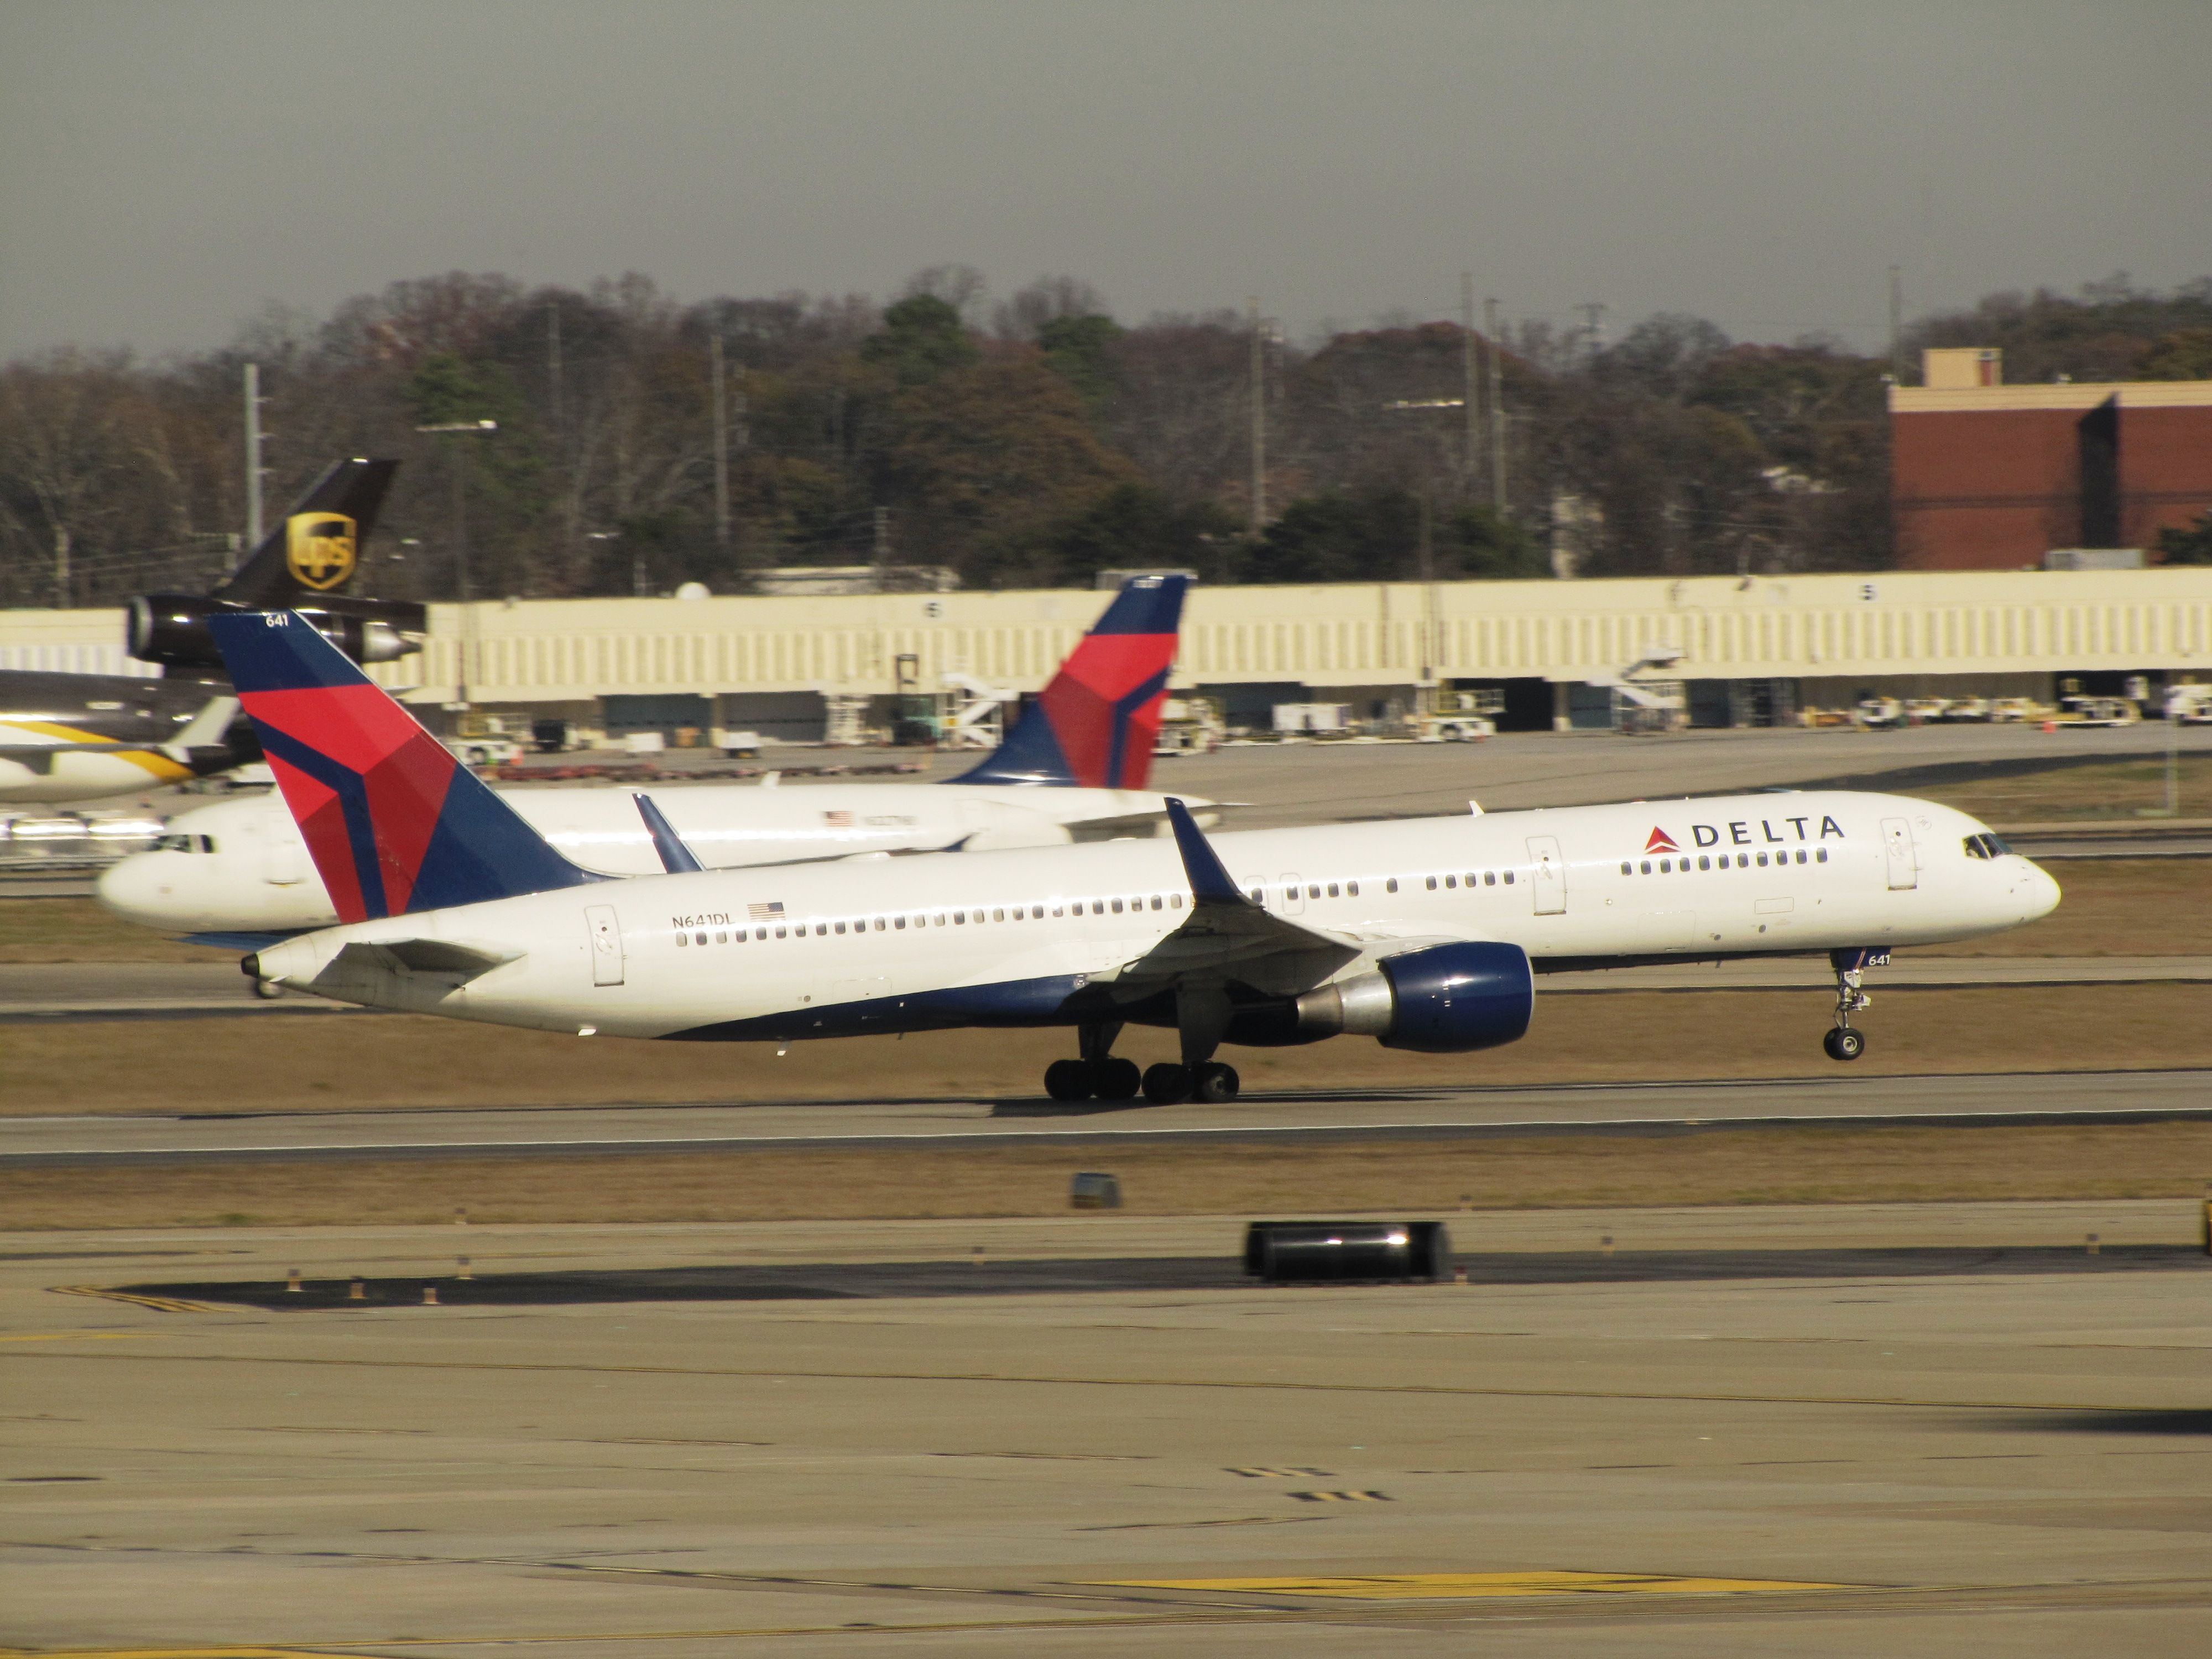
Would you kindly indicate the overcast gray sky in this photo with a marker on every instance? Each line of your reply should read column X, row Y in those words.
column 166, row 169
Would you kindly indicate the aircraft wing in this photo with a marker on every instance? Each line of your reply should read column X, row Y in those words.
column 1228, row 935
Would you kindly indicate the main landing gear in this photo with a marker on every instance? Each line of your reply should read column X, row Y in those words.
column 1210, row 1081
column 1099, row 1075
column 1844, row 1042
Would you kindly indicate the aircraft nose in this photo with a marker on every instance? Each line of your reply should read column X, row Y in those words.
column 2039, row 892
column 132, row 888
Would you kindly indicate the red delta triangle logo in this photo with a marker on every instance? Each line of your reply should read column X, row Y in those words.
column 1660, row 841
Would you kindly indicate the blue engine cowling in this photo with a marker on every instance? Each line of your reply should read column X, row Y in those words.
column 1448, row 1000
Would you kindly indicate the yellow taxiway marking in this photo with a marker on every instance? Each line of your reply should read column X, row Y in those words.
column 1414, row 1586
column 158, row 1303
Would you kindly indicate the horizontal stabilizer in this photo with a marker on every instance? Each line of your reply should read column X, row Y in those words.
column 427, row 956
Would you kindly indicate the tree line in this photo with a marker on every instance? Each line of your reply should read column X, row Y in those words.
column 1033, row 440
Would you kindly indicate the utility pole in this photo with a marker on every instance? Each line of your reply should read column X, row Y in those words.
column 255, row 437
column 452, row 431
column 553, row 365
column 1897, row 323
column 721, row 443
column 1496, row 408
column 1259, row 418
column 1468, row 402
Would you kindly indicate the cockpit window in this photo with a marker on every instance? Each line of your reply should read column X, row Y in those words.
column 185, row 844
column 1985, row 847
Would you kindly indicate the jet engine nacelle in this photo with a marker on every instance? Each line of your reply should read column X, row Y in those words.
column 171, row 629
column 1448, row 1000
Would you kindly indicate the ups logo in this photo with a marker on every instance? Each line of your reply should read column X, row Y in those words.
column 319, row 547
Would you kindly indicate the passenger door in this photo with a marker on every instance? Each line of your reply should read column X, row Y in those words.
column 606, row 944
column 1897, row 849
column 1550, row 875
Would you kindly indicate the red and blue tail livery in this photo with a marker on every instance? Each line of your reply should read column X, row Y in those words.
column 395, row 824
column 1095, row 724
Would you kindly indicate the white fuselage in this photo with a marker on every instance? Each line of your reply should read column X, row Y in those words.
column 76, row 773
column 241, row 866
column 1004, row 938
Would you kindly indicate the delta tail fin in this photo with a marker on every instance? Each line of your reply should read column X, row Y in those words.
column 315, row 547
column 395, row 823
column 1095, row 724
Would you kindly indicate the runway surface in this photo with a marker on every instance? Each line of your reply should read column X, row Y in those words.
column 193, row 990
column 1912, row 1429
column 1365, row 1114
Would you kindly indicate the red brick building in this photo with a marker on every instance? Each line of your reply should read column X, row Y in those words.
column 1989, row 477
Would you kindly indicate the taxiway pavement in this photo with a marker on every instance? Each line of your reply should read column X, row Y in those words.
column 1974, row 1454
column 1370, row 1114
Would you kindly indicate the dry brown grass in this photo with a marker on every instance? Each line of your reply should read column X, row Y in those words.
column 78, row 930
column 351, row 1061
column 2124, row 789
column 1760, row 1166
column 2113, row 907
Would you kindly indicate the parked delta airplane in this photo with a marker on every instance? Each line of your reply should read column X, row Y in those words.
column 240, row 866
column 1422, row 933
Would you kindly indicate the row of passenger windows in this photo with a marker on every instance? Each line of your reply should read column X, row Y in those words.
column 1706, row 862
column 979, row 915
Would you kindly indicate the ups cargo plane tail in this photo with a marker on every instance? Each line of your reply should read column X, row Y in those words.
column 80, row 736
column 1427, row 935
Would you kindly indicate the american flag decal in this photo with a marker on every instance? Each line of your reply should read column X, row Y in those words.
column 838, row 820
column 765, row 912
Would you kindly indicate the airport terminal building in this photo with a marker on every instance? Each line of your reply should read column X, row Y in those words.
column 1750, row 650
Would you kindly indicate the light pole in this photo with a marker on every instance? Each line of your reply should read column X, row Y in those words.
column 1425, row 689
column 453, row 429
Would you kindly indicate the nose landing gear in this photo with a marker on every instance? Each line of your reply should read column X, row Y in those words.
column 1843, row 1042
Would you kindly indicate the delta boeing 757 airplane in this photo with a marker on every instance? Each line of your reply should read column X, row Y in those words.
column 1424, row 935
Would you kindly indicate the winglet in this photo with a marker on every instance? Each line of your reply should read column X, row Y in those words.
column 1209, row 880
column 205, row 730
column 675, row 858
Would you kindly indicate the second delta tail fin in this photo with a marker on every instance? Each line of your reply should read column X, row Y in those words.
column 1094, row 725
column 394, row 822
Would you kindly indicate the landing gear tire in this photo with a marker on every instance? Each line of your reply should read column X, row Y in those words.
column 1844, row 1044
column 1069, row 1079
column 1116, row 1079
column 1215, row 1083
column 267, row 989
column 1166, row 1084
